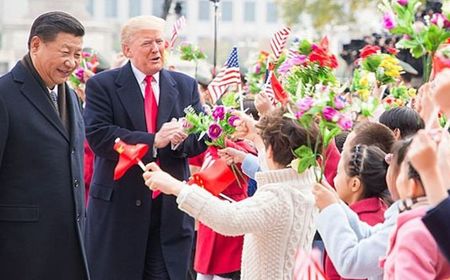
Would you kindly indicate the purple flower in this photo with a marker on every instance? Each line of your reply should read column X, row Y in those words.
column 305, row 104
column 232, row 120
column 218, row 113
column 298, row 59
column 402, row 2
column 345, row 123
column 80, row 73
column 339, row 102
column 389, row 21
column 214, row 131
column 330, row 114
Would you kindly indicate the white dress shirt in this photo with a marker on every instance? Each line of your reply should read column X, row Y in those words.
column 140, row 77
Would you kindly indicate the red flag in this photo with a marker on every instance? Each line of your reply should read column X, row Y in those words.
column 278, row 91
column 215, row 178
column 129, row 155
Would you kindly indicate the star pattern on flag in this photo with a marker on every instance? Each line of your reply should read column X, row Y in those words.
column 228, row 75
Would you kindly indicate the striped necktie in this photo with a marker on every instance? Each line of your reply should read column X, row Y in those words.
column 54, row 98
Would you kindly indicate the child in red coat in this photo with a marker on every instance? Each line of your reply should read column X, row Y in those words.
column 360, row 182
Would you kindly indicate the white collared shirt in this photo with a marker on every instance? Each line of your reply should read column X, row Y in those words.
column 140, row 77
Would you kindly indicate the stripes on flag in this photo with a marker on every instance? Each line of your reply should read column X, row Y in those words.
column 268, row 89
column 279, row 40
column 177, row 26
column 229, row 74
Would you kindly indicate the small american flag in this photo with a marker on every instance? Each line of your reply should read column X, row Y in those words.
column 268, row 90
column 228, row 75
column 279, row 40
column 293, row 50
column 177, row 26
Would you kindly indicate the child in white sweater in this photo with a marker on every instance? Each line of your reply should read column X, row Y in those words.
column 276, row 221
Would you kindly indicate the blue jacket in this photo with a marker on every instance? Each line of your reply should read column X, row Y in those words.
column 437, row 221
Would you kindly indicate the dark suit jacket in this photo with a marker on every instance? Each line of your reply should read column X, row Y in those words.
column 437, row 220
column 41, row 173
column 119, row 212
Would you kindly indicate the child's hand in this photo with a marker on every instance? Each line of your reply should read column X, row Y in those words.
column 232, row 155
column 263, row 104
column 156, row 179
column 423, row 152
column 325, row 195
column 441, row 91
column 245, row 126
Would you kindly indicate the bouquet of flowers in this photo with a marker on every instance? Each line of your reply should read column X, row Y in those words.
column 422, row 37
column 329, row 109
column 399, row 96
column 313, row 64
column 219, row 126
column 89, row 62
column 258, row 70
column 385, row 67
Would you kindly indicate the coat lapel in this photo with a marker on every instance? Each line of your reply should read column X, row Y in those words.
column 33, row 92
column 131, row 97
column 167, row 97
column 75, row 118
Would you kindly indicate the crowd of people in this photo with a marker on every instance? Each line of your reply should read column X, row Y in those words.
column 379, row 212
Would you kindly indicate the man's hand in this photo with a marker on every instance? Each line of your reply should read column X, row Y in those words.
column 170, row 131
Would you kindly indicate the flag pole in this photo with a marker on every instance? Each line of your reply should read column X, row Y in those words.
column 241, row 97
column 216, row 15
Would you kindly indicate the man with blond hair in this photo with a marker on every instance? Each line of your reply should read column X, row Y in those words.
column 129, row 235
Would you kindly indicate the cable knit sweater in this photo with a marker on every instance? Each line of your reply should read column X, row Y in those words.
column 276, row 221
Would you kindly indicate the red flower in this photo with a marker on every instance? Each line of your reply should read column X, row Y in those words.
column 323, row 57
column 369, row 50
column 392, row 51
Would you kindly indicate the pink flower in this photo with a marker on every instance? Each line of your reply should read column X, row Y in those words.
column 330, row 114
column 218, row 113
column 389, row 21
column 298, row 115
column 232, row 120
column 305, row 104
column 345, row 123
column 80, row 74
column 289, row 63
column 402, row 2
column 214, row 131
column 440, row 20
column 257, row 69
column 339, row 102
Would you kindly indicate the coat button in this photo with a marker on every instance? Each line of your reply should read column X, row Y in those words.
column 138, row 202
column 73, row 151
column 78, row 217
column 76, row 184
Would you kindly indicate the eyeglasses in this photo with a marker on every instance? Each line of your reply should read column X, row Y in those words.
column 388, row 158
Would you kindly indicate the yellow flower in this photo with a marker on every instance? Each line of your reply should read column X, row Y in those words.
column 412, row 92
column 364, row 82
column 391, row 66
column 364, row 93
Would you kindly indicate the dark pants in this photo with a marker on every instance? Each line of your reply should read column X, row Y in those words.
column 154, row 268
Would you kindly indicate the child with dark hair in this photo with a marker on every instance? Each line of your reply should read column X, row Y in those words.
column 354, row 246
column 403, row 121
column 360, row 183
column 277, row 220
column 412, row 251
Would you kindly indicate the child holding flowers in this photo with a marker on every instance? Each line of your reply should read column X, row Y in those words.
column 277, row 220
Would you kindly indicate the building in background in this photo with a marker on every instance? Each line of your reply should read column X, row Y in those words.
column 247, row 24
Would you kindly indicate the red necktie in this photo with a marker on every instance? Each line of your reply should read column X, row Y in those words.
column 150, row 106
